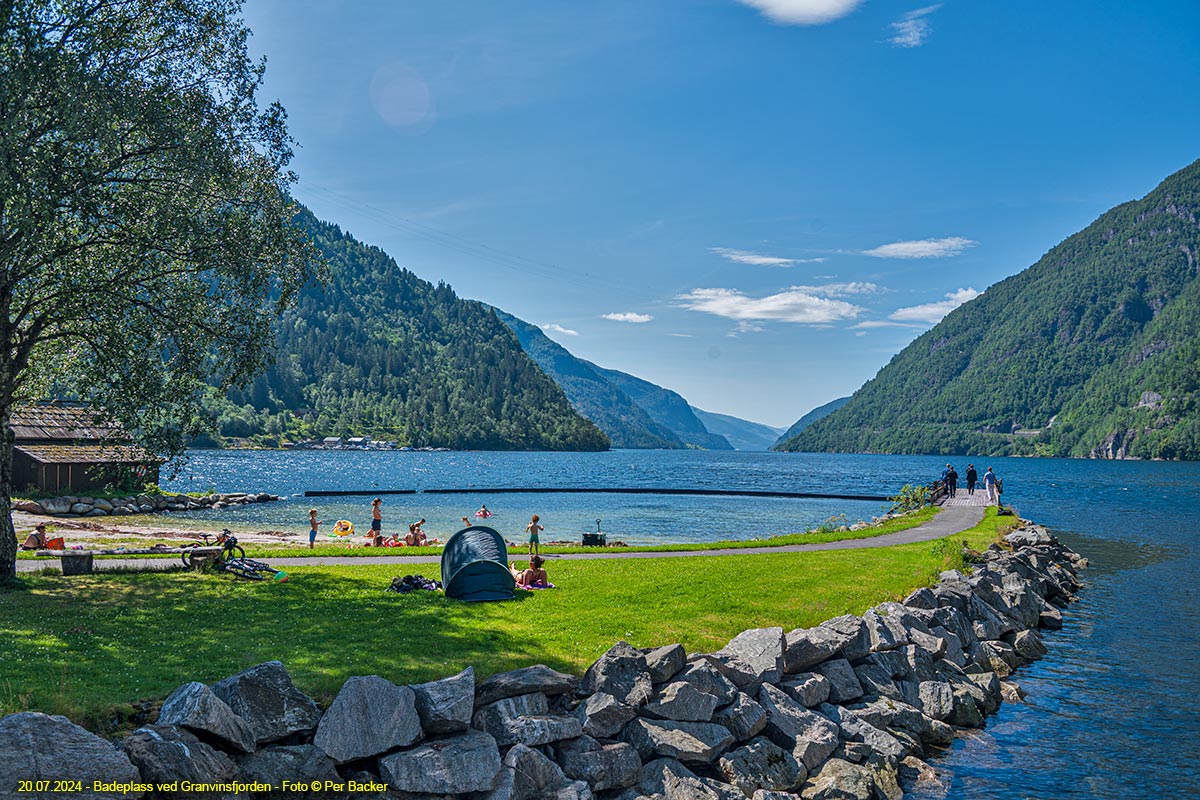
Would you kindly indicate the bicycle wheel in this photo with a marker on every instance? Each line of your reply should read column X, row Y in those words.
column 234, row 551
column 186, row 555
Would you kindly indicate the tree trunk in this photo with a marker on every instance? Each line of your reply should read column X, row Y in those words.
column 8, row 536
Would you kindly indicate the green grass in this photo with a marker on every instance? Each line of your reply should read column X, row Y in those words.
column 89, row 646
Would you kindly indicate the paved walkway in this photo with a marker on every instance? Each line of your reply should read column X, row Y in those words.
column 958, row 514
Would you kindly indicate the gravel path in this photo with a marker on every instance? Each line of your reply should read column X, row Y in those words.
column 950, row 520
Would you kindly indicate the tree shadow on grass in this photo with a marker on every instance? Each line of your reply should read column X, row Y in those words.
column 89, row 643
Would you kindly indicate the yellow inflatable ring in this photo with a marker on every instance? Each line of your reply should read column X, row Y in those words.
column 343, row 527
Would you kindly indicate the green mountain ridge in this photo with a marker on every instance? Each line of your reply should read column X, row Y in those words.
column 667, row 408
column 1094, row 351
column 376, row 351
column 820, row 412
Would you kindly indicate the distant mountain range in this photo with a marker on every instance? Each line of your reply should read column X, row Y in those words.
column 742, row 434
column 820, row 412
column 1092, row 351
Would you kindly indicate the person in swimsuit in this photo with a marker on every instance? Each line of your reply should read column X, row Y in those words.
column 376, row 516
column 313, row 524
column 534, row 576
column 533, row 529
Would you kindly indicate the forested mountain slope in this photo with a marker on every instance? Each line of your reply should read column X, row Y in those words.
column 592, row 394
column 1092, row 351
column 820, row 412
column 667, row 408
column 377, row 351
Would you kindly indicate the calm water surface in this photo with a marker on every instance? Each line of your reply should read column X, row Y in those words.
column 1111, row 711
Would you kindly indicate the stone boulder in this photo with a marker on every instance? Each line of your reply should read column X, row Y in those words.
column 707, row 678
column 761, row 764
column 602, row 715
column 843, row 682
column 668, row 779
column 809, row 736
column 526, row 680
column 1028, row 645
column 688, row 742
column 840, row 780
column 165, row 753
column 804, row 648
column 762, row 649
column 369, row 716
column 299, row 762
column 35, row 746
column 664, row 662
column 197, row 708
column 266, row 698
column 534, row 776
column 611, row 766
column 682, row 702
column 466, row 762
column 525, row 719
column 936, row 700
column 809, row 689
column 621, row 672
column 743, row 717
column 446, row 705
column 854, row 641
column 886, row 630
column 738, row 671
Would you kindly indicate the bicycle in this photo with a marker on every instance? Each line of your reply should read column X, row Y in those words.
column 249, row 569
column 229, row 547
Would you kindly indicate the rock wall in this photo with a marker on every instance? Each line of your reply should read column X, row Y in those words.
column 847, row 709
column 71, row 506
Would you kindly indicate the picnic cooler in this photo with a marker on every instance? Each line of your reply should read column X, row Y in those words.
column 594, row 539
column 56, row 543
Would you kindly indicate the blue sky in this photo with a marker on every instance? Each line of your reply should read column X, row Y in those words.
column 756, row 203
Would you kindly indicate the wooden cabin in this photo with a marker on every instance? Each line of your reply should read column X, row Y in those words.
column 66, row 449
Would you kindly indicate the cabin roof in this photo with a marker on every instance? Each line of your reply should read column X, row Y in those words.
column 62, row 423
column 86, row 454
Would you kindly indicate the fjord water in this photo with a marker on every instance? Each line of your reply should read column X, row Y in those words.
column 1110, row 708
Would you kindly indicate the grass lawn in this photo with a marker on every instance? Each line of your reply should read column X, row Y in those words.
column 89, row 646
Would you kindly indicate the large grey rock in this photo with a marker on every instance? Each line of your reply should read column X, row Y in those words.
column 707, row 678
column 534, row 776
column 611, row 766
column 740, row 673
column 809, row 689
column 967, row 709
column 526, row 680
column 681, row 701
column 853, row 728
column 876, row 680
column 266, row 698
column 762, row 649
column 35, row 746
column 921, row 598
column 525, row 719
column 689, row 742
column 602, row 715
column 668, row 779
column 853, row 640
column 743, row 717
column 369, row 716
column 936, row 700
column 840, row 780
column 465, row 762
column 165, row 753
column 302, row 763
column 768, row 794
column 997, row 656
column 621, row 672
column 804, row 648
column 897, row 717
column 445, row 706
column 664, row 662
column 1030, row 536
column 1049, row 617
column 885, row 630
column 810, row 736
column 843, row 683
column 197, row 707
column 762, row 764
column 1029, row 645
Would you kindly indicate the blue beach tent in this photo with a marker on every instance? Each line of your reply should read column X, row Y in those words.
column 475, row 566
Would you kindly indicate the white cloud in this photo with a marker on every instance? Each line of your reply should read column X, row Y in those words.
column 790, row 305
column 913, row 29
column 682, row 335
column 556, row 328
column 842, row 289
column 803, row 12
column 628, row 316
column 933, row 312
column 881, row 323
column 746, row 257
column 922, row 248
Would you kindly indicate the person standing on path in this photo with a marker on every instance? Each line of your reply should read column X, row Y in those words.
column 533, row 529
column 313, row 524
column 972, row 478
column 951, row 480
column 991, row 484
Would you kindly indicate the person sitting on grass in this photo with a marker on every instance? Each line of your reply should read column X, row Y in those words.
column 533, row 578
column 37, row 539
